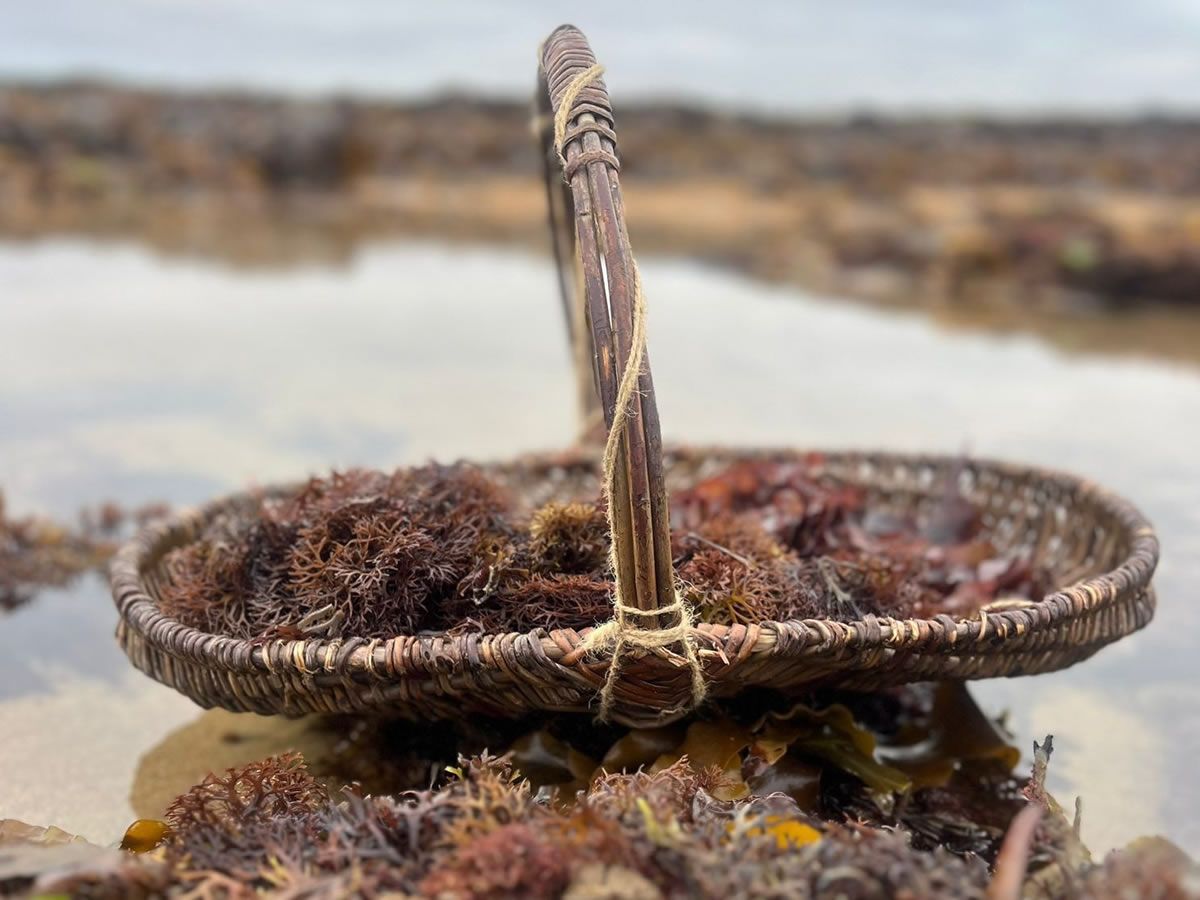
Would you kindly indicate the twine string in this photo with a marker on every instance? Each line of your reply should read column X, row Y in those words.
column 623, row 630
column 566, row 103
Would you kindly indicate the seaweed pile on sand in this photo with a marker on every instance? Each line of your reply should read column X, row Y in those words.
column 921, row 757
column 722, row 807
column 457, row 548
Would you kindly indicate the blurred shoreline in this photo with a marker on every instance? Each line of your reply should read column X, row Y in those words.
column 1084, row 231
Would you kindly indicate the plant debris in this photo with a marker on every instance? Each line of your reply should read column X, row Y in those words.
column 37, row 553
column 454, row 548
column 485, row 833
column 571, row 810
column 979, row 218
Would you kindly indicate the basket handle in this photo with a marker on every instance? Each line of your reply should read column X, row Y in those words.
column 599, row 283
column 560, row 206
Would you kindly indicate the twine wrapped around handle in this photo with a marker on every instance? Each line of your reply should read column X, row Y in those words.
column 632, row 625
column 618, row 632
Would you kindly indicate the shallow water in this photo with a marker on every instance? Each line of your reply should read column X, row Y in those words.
column 125, row 376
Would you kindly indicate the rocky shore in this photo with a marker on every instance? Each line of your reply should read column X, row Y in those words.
column 1002, row 215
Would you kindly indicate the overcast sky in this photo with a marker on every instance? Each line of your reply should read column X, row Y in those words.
column 1013, row 55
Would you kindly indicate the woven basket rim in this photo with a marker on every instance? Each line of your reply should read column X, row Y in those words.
column 865, row 633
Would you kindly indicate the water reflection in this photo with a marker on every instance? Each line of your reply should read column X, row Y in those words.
column 127, row 376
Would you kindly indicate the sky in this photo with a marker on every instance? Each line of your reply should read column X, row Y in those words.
column 1014, row 55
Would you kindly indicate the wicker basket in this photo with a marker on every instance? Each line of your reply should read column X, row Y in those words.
column 1101, row 550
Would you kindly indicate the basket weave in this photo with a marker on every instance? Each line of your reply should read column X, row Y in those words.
column 1097, row 545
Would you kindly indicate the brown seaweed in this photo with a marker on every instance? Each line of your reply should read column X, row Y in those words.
column 448, row 548
column 37, row 553
column 485, row 829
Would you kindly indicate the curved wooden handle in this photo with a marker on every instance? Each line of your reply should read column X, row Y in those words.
column 588, row 164
column 560, row 208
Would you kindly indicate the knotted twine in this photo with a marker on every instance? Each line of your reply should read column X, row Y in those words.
column 622, row 631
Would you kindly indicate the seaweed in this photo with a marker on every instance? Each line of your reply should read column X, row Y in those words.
column 237, row 820
column 569, row 538
column 734, row 571
column 659, row 825
column 923, row 756
column 359, row 552
column 277, row 786
column 37, row 553
column 1150, row 868
column 453, row 549
column 49, row 862
column 515, row 860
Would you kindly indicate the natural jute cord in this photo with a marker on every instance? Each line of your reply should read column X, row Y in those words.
column 562, row 118
column 620, row 632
